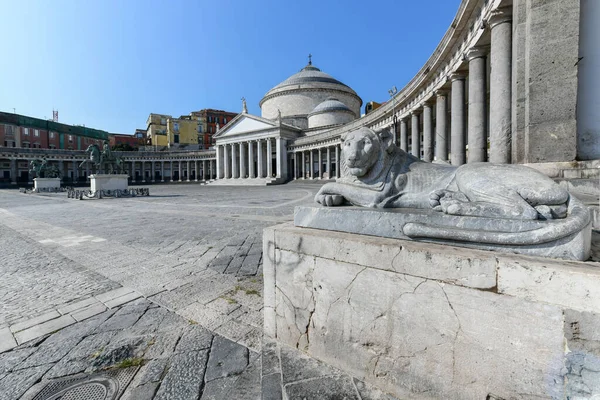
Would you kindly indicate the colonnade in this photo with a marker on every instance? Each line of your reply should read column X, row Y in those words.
column 316, row 163
column 148, row 170
column 252, row 159
column 465, row 125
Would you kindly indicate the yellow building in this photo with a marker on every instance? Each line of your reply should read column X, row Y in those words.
column 156, row 129
column 182, row 131
column 165, row 131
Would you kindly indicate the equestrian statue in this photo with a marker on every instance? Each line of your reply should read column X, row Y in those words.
column 42, row 169
column 104, row 160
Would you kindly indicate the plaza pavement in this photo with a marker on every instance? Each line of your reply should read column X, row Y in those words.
column 167, row 287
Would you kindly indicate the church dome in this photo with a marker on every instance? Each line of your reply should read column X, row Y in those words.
column 330, row 105
column 330, row 112
column 298, row 96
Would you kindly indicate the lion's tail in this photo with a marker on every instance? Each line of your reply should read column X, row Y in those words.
column 578, row 218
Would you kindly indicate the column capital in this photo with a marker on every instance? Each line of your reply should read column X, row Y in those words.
column 441, row 93
column 499, row 16
column 477, row 52
column 415, row 112
column 457, row 76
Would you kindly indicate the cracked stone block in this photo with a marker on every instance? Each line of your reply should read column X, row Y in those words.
column 184, row 377
column 14, row 384
column 196, row 338
column 227, row 358
column 153, row 371
column 11, row 359
column 332, row 387
column 162, row 345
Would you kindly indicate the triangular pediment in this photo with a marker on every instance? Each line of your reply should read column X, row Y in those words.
column 245, row 123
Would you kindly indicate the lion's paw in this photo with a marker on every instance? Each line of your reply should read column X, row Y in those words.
column 329, row 200
column 447, row 201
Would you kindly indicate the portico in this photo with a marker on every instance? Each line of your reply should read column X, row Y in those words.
column 252, row 150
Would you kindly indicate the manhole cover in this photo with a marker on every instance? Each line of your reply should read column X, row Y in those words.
column 107, row 385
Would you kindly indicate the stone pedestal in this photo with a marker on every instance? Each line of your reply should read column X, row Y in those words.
column 429, row 321
column 108, row 182
column 46, row 184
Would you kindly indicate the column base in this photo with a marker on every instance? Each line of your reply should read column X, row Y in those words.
column 162, row 180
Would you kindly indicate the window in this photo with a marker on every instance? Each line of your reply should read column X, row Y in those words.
column 176, row 127
column 70, row 138
column 163, row 121
column 36, row 133
column 176, row 138
column 52, row 146
column 199, row 128
column 52, row 135
column 25, row 145
column 26, row 131
column 9, row 130
column 224, row 120
column 210, row 129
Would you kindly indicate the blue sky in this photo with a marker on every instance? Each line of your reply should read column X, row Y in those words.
column 107, row 64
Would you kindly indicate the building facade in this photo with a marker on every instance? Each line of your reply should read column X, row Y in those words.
column 210, row 121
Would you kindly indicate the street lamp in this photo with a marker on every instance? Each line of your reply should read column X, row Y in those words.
column 392, row 93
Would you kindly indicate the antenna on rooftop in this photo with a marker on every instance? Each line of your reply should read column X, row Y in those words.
column 54, row 115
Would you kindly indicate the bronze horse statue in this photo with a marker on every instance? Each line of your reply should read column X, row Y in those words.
column 43, row 170
column 104, row 160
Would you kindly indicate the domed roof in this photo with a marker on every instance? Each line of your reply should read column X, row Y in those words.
column 329, row 105
column 309, row 74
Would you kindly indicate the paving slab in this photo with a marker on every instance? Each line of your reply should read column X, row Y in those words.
column 7, row 340
column 44, row 328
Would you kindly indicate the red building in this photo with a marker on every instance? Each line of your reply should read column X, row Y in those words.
column 136, row 140
column 208, row 120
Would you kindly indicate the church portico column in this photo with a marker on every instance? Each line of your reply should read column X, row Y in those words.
column 303, row 165
column 281, row 161
column 180, row 171
column 162, row 171
column 242, row 160
column 235, row 172
column 204, row 170
column 219, row 161
column 259, row 164
column 457, row 122
column 312, row 164
column 226, row 161
column 251, row 160
column 210, row 165
column 337, row 160
column 328, row 162
column 143, row 171
column 404, row 134
column 196, row 170
column 415, row 148
column 153, row 171
column 427, row 133
column 171, row 171
column 441, row 126
column 477, row 115
column 500, row 85
column 269, row 159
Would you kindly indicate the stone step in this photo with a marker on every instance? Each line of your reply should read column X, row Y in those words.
column 246, row 182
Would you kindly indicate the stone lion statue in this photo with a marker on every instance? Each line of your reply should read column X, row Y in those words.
column 376, row 173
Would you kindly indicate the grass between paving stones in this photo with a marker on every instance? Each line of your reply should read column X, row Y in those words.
column 129, row 362
column 249, row 292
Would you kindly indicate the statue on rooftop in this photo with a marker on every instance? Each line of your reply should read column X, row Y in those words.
column 376, row 173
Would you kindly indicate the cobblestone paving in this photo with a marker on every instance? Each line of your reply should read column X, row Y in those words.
column 193, row 252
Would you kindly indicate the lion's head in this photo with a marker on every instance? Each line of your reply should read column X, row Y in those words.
column 365, row 152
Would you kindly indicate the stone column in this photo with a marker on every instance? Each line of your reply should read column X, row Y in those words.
column 143, row 171
column 320, row 160
column 259, row 164
column 226, row 161
column 235, row 172
column 162, row 171
column 204, row 170
column 212, row 168
column 219, row 162
column 242, row 160
column 13, row 171
column 457, row 122
column 477, row 123
column 427, row 133
column 180, row 171
column 251, row 160
column 500, row 86
column 337, row 160
column 303, row 165
column 312, row 164
column 270, row 160
column 441, row 126
column 74, row 167
column 328, row 162
column 153, row 178
column 415, row 148
column 171, row 171
column 404, row 134
column 281, row 161
column 196, row 170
